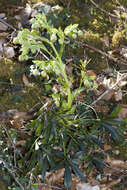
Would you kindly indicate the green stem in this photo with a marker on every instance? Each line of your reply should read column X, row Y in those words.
column 62, row 69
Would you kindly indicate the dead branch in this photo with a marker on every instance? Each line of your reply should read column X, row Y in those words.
column 14, row 114
column 10, row 26
column 109, row 14
column 123, row 76
column 11, row 173
column 12, row 143
column 119, row 61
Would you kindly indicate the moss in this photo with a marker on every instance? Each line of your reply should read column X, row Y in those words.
column 96, row 24
column 93, row 38
column 43, row 1
column 123, row 2
column 23, row 98
column 3, row 185
column 28, row 97
column 109, row 6
column 117, row 38
column 8, row 68
column 12, row 2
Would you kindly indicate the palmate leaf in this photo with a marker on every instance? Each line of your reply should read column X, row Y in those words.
column 67, row 176
column 70, row 29
column 40, row 21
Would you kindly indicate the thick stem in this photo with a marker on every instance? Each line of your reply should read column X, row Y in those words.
column 64, row 76
column 62, row 69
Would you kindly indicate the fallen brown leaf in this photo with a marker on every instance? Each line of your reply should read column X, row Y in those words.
column 25, row 80
column 123, row 113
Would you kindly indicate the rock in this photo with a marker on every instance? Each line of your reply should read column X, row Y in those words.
column 86, row 186
column 3, row 27
column 23, row 17
column 4, row 35
column 2, row 15
column 2, row 41
column 9, row 52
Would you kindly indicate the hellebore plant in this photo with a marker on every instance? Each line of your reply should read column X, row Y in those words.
column 66, row 135
column 34, row 42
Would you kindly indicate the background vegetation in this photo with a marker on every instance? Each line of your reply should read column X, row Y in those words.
column 70, row 53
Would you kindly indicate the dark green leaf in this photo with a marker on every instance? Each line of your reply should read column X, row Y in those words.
column 44, row 167
column 67, row 176
column 78, row 157
column 78, row 172
column 47, row 133
column 96, row 140
column 58, row 166
column 33, row 161
column 39, row 129
column 113, row 131
column 79, row 154
column 116, row 111
column 58, row 154
column 99, row 164
column 81, row 145
column 70, row 145
column 17, row 98
column 116, row 121
column 89, row 168
column 50, row 160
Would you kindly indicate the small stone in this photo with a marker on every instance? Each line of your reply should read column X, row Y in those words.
column 2, row 41
column 9, row 52
column 3, row 27
column 34, row 12
column 3, row 34
column 86, row 186
column 2, row 15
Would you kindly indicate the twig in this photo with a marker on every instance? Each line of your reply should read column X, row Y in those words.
column 97, row 6
column 11, row 173
column 89, row 106
column 108, row 90
column 10, row 26
column 105, row 54
column 45, row 56
column 11, row 141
